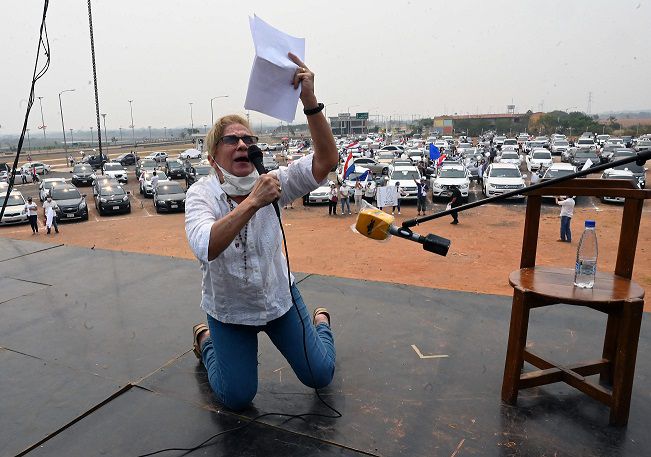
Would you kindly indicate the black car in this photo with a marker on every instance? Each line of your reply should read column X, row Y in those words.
column 145, row 165
column 169, row 196
column 96, row 161
column 104, row 181
column 198, row 172
column 83, row 175
column 72, row 204
column 639, row 172
column 127, row 159
column 174, row 169
column 580, row 157
column 112, row 199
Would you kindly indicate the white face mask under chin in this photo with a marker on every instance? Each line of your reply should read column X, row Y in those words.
column 238, row 185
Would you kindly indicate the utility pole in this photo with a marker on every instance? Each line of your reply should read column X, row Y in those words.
column 63, row 127
column 91, row 137
column 149, row 127
column 589, row 102
column 29, row 142
column 133, row 132
column 105, row 140
column 120, row 134
column 92, row 55
column 72, row 139
column 191, row 120
column 165, row 128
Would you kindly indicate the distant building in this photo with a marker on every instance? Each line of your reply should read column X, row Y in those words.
column 474, row 124
column 345, row 124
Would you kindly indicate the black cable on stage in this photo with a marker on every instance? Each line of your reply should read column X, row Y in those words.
column 44, row 43
column 336, row 414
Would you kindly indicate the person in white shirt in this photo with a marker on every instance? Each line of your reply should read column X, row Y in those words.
column 567, row 211
column 358, row 193
column 401, row 193
column 50, row 208
column 234, row 232
column 32, row 214
column 154, row 181
column 344, row 198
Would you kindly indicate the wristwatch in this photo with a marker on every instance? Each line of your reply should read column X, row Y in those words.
column 311, row 111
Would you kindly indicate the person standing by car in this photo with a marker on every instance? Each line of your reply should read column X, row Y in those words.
column 369, row 192
column 332, row 200
column 455, row 200
column 154, row 181
column 50, row 210
column 400, row 193
column 32, row 214
column 421, row 193
column 34, row 175
column 23, row 175
column 358, row 193
column 567, row 211
column 344, row 196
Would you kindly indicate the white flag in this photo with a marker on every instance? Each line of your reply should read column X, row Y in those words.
column 588, row 164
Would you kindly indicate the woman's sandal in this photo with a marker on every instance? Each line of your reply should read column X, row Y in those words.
column 197, row 330
column 320, row 311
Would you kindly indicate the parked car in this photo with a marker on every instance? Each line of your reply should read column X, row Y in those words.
column 41, row 168
column 112, row 199
column 82, row 175
column 638, row 171
column 405, row 176
column 103, row 181
column 169, row 196
column 643, row 145
column 190, row 154
column 197, row 172
column 174, row 169
column 376, row 167
column 117, row 171
column 263, row 146
column 581, row 156
column 269, row 163
column 618, row 174
column 129, row 158
column 384, row 157
column 539, row 158
column 72, row 204
column 560, row 146
column 500, row 178
column 321, row 194
column 146, row 165
column 557, row 170
column 45, row 186
column 585, row 143
column 146, row 187
column 510, row 157
column 448, row 177
column 15, row 211
column 96, row 161
column 157, row 156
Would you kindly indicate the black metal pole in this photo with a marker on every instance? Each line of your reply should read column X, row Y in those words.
column 92, row 53
column 640, row 158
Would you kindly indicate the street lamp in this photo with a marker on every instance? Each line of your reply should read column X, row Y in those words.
column 165, row 128
column 91, row 137
column 105, row 140
column 42, row 126
column 149, row 127
column 133, row 133
column 29, row 142
column 325, row 108
column 120, row 134
column 191, row 120
column 212, row 117
column 63, row 127
column 72, row 139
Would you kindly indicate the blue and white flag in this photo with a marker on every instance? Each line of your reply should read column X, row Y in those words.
column 434, row 152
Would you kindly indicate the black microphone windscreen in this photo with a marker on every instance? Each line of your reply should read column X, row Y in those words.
column 254, row 152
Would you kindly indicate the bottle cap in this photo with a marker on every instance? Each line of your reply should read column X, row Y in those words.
column 590, row 224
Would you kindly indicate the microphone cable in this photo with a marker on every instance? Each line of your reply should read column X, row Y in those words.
column 336, row 414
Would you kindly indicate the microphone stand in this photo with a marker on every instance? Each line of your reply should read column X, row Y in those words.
column 640, row 158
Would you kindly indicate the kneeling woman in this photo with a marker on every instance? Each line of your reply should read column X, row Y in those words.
column 233, row 230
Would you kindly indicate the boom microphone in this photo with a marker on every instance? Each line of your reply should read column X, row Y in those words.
column 378, row 225
column 255, row 156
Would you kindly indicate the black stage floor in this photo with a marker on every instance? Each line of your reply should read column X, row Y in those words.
column 95, row 359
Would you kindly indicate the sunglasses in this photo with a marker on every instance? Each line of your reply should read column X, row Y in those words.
column 232, row 140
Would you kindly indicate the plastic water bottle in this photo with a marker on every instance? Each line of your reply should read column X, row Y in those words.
column 586, row 258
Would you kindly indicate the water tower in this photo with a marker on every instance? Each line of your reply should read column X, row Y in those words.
column 510, row 109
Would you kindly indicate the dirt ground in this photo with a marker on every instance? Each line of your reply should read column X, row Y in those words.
column 486, row 245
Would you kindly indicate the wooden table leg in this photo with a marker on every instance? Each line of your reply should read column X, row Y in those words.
column 628, row 335
column 610, row 348
column 515, row 350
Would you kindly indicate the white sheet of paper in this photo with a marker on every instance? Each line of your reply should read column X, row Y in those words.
column 270, row 91
column 588, row 164
column 387, row 196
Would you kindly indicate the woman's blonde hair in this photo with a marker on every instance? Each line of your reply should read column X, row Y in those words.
column 217, row 130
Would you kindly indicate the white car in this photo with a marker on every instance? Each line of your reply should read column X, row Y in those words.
column 263, row 146
column 450, row 176
column 510, row 142
column 500, row 178
column 158, row 156
column 557, row 170
column 601, row 139
column 15, row 211
column 115, row 170
column 560, row 146
column 405, row 176
column 385, row 157
column 539, row 158
column 321, row 194
column 618, row 174
column 511, row 157
column 41, row 168
column 615, row 142
column 145, row 186
column 45, row 186
column 585, row 143
column 190, row 154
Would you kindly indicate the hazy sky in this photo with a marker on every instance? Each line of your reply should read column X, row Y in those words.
column 404, row 58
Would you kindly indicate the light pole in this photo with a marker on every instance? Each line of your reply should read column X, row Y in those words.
column 165, row 128
column 29, row 142
column 325, row 108
column 91, row 137
column 120, row 134
column 133, row 132
column 212, row 116
column 63, row 127
column 191, row 120
column 205, row 129
column 42, row 126
column 350, row 120
column 72, row 139
column 104, row 119
column 149, row 127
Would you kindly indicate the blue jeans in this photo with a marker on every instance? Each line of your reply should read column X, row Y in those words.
column 345, row 201
column 566, row 234
column 230, row 354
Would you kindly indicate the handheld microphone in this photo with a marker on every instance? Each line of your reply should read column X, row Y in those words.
column 378, row 225
column 255, row 156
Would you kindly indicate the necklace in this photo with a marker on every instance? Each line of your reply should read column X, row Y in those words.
column 241, row 239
